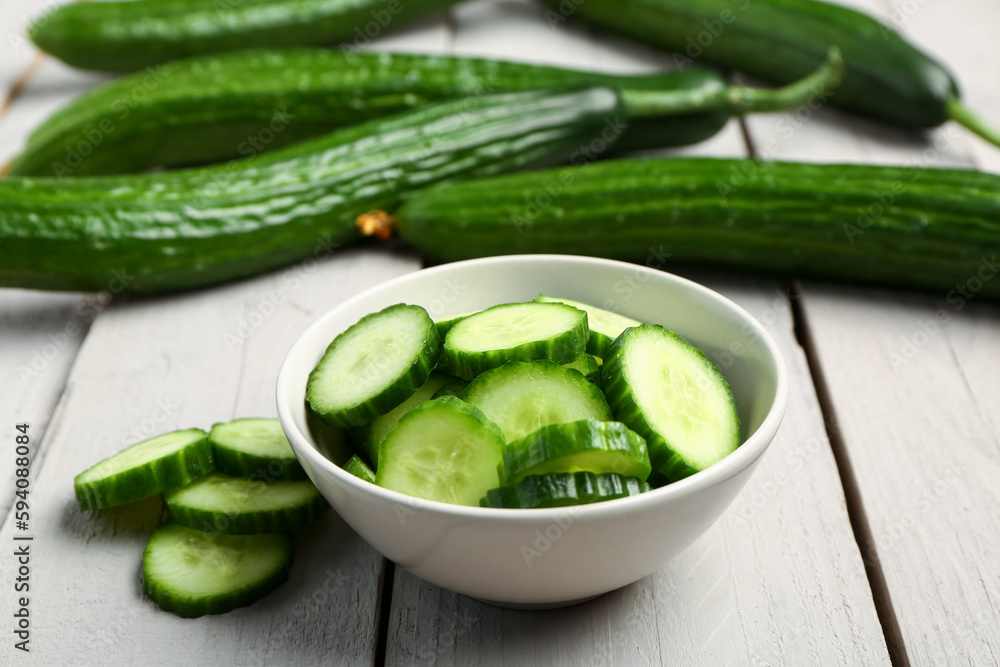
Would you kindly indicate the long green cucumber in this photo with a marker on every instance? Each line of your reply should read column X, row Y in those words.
column 191, row 228
column 126, row 36
column 780, row 40
column 232, row 105
column 937, row 229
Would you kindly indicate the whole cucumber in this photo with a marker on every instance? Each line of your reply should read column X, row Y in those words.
column 195, row 227
column 217, row 107
column 936, row 229
column 778, row 40
column 125, row 36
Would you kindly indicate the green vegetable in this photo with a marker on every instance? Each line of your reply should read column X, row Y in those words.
column 220, row 504
column 192, row 573
column 522, row 396
column 185, row 229
column 239, row 104
column 560, row 489
column 780, row 40
column 126, row 36
column 377, row 364
column 444, row 450
column 668, row 392
column 256, row 449
column 916, row 228
column 604, row 325
column 514, row 332
column 148, row 468
column 357, row 467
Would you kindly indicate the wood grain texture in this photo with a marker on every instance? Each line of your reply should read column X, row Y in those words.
column 912, row 379
column 779, row 580
column 153, row 365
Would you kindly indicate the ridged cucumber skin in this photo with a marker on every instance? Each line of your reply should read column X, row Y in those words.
column 192, row 228
column 515, row 380
column 582, row 446
column 562, row 348
column 223, row 518
column 221, row 107
column 359, row 469
column 562, row 489
column 122, row 37
column 397, row 444
column 780, row 40
column 917, row 228
column 392, row 394
column 179, row 469
column 190, row 604
column 604, row 325
column 624, row 404
column 232, row 460
column 586, row 365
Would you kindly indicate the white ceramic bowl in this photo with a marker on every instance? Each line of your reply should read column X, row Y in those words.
column 548, row 557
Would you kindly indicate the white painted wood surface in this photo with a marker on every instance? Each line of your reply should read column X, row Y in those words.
column 778, row 581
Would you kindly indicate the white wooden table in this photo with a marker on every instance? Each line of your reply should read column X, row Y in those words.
column 870, row 535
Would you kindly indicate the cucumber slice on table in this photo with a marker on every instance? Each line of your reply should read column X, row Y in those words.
column 560, row 489
column 191, row 573
column 374, row 366
column 671, row 394
column 217, row 503
column 145, row 469
column 359, row 469
column 444, row 450
column 514, row 332
column 256, row 449
column 604, row 325
column 522, row 396
column 582, row 446
column 369, row 435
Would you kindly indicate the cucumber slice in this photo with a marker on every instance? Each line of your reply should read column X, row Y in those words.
column 145, row 469
column 359, row 469
column 445, row 324
column 444, row 450
column 368, row 436
column 522, row 396
column 330, row 441
column 191, row 573
column 514, row 332
column 237, row 506
column 604, row 325
column 374, row 366
column 561, row 489
column 582, row 446
column 587, row 365
column 667, row 391
column 256, row 449
column 452, row 387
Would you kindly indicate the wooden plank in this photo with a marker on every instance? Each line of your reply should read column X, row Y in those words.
column 156, row 364
column 911, row 381
column 741, row 594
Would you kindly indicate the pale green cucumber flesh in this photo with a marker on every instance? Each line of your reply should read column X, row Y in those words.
column 562, row 489
column 587, row 365
column 145, row 469
column 514, row 332
column 357, row 467
column 522, row 397
column 233, row 505
column 369, row 435
column 670, row 393
column 582, row 446
column 254, row 448
column 605, row 325
column 443, row 450
column 374, row 365
column 192, row 573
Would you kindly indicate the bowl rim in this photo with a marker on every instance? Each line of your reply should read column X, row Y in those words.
column 749, row 451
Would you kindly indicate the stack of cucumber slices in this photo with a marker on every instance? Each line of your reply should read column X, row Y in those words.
column 541, row 404
column 233, row 496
